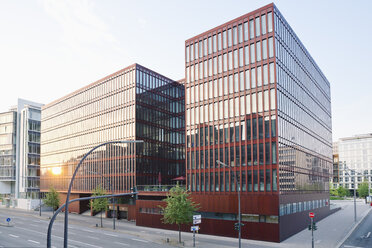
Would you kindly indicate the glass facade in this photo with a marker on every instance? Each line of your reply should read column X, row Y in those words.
column 265, row 111
column 355, row 161
column 134, row 103
column 231, row 112
column 304, row 115
column 8, row 124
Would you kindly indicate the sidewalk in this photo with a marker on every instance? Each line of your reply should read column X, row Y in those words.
column 331, row 230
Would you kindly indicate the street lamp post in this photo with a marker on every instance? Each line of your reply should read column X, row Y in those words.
column 65, row 236
column 239, row 215
column 112, row 192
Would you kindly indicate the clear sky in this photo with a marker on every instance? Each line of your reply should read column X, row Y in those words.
column 51, row 48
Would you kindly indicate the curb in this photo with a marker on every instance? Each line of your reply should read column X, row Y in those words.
column 352, row 229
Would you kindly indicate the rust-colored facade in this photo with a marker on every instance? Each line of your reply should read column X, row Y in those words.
column 256, row 100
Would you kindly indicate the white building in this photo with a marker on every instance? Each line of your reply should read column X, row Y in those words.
column 20, row 154
column 355, row 160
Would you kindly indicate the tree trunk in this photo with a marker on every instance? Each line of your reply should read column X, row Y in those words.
column 101, row 219
column 179, row 233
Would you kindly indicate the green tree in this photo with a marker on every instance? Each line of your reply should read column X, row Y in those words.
column 52, row 199
column 342, row 192
column 332, row 190
column 363, row 189
column 100, row 204
column 179, row 209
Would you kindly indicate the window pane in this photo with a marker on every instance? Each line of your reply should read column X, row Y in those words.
column 268, row 184
column 272, row 74
column 230, row 61
column 229, row 37
column 187, row 54
column 258, row 46
column 253, row 77
column 214, row 43
column 240, row 31
column 219, row 42
column 251, row 29
column 263, row 23
column 265, row 75
column 246, row 31
column 259, row 76
column 205, row 47
column 257, row 26
column 270, row 22
column 224, row 39
column 264, row 49
column 271, row 47
column 253, row 56
column 241, row 57
column 209, row 45
column 247, row 79
column 235, row 35
column 236, row 59
column 246, row 53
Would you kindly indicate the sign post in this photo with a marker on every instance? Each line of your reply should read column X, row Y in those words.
column 196, row 219
column 312, row 227
column 8, row 220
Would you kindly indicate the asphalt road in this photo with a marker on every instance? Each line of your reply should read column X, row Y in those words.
column 30, row 231
column 361, row 236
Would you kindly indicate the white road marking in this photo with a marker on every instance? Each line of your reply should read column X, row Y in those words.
column 369, row 233
column 351, row 246
column 109, row 234
column 121, row 243
column 92, row 237
column 318, row 241
column 34, row 225
column 88, row 230
column 14, row 236
column 85, row 243
column 33, row 241
column 143, row 231
column 140, row 240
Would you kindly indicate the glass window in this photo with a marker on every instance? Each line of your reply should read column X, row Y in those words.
column 219, row 64
column 273, row 150
column 187, row 54
column 259, row 96
column 253, row 56
column 265, row 75
column 219, row 42
column 200, row 70
column 274, row 178
column 248, row 104
column 196, row 50
column 271, row 47
column 205, row 47
column 229, row 37
column 214, row 65
column 246, row 31
column 267, row 152
column 191, row 52
column 251, row 29
column 259, row 76
column 266, row 100
column 253, row 77
column 236, row 83
column 209, row 45
column 272, row 99
column 241, row 58
column 249, row 177
column 273, row 126
column 225, row 109
column 241, row 79
column 200, row 49
column 258, row 46
column 220, row 88
column 235, row 35
column 254, row 109
column 246, row 53
column 225, row 62
column 263, row 24
column 264, row 49
column 236, row 59
column 224, row 40
column 262, row 182
column 231, row 83
column 230, row 61
column 270, row 22
column 225, row 85
column 272, row 73
column 214, row 43
column 255, row 181
column 205, row 69
column 257, row 26
column 240, row 30
column 231, row 108
column 247, row 79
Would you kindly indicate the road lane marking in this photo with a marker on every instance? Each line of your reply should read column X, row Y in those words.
column 121, row 243
column 351, row 246
column 34, row 225
column 92, row 237
column 14, row 236
column 88, row 230
column 369, row 233
column 33, row 241
column 109, row 234
column 85, row 243
column 145, row 241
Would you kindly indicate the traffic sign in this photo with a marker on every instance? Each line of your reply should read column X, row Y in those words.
column 194, row 228
column 196, row 217
column 311, row 215
column 197, row 221
column 8, row 220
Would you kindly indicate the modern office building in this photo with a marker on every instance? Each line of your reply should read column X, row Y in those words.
column 257, row 101
column 336, row 172
column 355, row 161
column 134, row 103
column 20, row 154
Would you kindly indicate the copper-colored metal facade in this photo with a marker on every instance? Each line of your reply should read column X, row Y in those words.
column 264, row 109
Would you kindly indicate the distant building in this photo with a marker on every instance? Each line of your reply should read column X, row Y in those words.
column 355, row 160
column 336, row 172
column 134, row 103
column 20, row 154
